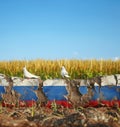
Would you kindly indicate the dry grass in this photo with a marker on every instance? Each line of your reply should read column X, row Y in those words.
column 51, row 68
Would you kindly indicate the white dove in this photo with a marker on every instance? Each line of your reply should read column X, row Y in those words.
column 64, row 73
column 28, row 74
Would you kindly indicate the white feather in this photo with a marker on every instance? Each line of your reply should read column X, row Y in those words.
column 64, row 73
column 28, row 74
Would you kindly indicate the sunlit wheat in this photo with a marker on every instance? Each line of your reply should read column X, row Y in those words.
column 51, row 68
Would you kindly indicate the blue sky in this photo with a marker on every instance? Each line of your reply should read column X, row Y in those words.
column 59, row 29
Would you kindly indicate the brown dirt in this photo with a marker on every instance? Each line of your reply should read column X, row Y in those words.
column 59, row 116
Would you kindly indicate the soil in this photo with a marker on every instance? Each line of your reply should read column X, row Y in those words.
column 59, row 117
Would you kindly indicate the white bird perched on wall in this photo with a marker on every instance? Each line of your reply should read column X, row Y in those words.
column 64, row 73
column 28, row 74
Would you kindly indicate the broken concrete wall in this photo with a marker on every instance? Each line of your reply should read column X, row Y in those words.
column 57, row 89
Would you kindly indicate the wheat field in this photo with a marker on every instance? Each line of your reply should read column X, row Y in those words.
column 49, row 69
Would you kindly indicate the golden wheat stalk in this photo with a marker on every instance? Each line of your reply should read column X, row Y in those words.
column 51, row 68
